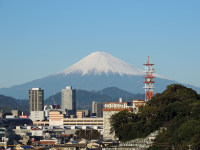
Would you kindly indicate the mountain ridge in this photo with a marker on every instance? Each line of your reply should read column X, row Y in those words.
column 84, row 98
column 112, row 76
column 98, row 63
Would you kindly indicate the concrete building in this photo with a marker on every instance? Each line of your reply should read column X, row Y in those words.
column 37, row 115
column 56, row 118
column 80, row 114
column 109, row 109
column 97, row 109
column 86, row 113
column 36, row 99
column 68, row 101
column 35, row 131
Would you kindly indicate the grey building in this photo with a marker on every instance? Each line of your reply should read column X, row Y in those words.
column 97, row 109
column 36, row 99
column 37, row 115
column 68, row 101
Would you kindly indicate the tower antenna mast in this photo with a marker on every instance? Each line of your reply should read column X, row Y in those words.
column 149, row 80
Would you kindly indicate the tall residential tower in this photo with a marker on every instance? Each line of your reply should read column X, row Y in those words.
column 36, row 99
column 68, row 101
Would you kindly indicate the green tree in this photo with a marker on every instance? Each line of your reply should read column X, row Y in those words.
column 177, row 109
column 88, row 134
column 119, row 124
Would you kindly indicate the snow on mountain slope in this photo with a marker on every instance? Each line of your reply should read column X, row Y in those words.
column 94, row 72
column 98, row 63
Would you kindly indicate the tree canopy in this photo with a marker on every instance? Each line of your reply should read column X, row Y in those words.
column 177, row 109
column 88, row 134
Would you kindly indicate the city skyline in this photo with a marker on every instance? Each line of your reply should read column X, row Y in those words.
column 39, row 39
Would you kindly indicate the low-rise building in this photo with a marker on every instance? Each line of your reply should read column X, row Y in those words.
column 37, row 115
column 80, row 114
column 56, row 118
column 37, row 131
column 137, row 104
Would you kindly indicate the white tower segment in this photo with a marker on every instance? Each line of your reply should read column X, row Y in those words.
column 149, row 80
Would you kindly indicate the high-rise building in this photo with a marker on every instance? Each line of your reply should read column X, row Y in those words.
column 97, row 109
column 68, row 101
column 36, row 99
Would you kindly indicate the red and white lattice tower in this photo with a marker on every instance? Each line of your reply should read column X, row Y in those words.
column 149, row 80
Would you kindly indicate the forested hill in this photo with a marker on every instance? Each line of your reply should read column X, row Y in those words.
column 9, row 103
column 177, row 109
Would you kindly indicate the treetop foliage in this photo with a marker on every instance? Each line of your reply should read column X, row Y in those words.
column 177, row 109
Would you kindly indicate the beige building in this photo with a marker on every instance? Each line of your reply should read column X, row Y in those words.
column 83, row 121
column 80, row 114
column 55, row 118
column 109, row 109
column 85, row 113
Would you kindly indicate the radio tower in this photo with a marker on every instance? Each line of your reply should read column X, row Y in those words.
column 149, row 80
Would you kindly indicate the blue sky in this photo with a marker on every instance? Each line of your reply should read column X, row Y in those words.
column 39, row 38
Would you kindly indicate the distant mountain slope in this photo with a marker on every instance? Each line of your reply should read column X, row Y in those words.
column 115, row 92
column 9, row 103
column 84, row 98
column 94, row 72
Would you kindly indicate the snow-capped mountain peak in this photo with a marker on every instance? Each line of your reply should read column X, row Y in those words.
column 102, row 62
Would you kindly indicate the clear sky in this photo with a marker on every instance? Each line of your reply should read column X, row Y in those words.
column 42, row 37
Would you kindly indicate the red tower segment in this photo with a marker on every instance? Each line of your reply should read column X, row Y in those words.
column 149, row 80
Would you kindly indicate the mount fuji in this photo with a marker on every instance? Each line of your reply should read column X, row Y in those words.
column 94, row 72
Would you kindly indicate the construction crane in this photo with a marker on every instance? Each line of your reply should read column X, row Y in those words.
column 56, row 106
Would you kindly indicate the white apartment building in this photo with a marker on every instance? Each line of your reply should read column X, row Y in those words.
column 109, row 109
